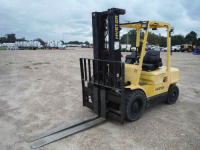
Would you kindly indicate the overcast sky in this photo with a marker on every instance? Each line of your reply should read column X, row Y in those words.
column 71, row 19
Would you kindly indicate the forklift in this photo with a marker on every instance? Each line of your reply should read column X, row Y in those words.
column 187, row 48
column 114, row 89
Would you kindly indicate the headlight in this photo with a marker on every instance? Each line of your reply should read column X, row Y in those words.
column 144, row 25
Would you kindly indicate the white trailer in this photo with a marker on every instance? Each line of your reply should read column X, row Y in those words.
column 125, row 47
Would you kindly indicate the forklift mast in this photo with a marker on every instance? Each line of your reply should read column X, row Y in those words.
column 106, row 44
column 106, row 34
column 103, row 76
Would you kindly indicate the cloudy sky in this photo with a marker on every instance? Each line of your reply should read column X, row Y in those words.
column 71, row 19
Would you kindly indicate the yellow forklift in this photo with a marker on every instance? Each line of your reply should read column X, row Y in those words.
column 114, row 89
column 187, row 48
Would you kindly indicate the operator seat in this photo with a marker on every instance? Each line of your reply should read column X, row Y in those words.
column 131, row 59
column 151, row 61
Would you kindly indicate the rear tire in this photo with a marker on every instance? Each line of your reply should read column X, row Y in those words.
column 135, row 104
column 173, row 94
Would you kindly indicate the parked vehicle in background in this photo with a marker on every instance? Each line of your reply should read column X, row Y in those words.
column 8, row 46
column 73, row 45
column 125, row 47
column 133, row 48
column 33, row 45
column 84, row 46
column 187, row 48
column 165, row 49
column 197, row 51
column 176, row 48
column 62, row 47
column 23, row 45
column 153, row 47
column 161, row 49
column 156, row 48
column 149, row 47
column 55, row 45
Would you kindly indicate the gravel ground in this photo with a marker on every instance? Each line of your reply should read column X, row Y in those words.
column 42, row 89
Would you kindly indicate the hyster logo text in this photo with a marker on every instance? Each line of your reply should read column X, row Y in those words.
column 116, row 27
column 160, row 88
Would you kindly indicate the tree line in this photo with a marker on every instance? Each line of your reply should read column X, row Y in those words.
column 153, row 39
column 11, row 38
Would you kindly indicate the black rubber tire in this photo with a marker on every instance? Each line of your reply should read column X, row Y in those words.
column 173, row 94
column 135, row 104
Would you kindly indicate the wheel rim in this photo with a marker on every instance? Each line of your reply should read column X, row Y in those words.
column 136, row 107
column 173, row 96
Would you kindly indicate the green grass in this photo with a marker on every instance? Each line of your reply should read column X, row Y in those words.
column 3, row 48
column 40, row 63
column 10, row 63
column 27, row 67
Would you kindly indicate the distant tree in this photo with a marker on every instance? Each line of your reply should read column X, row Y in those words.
column 163, row 41
column 11, row 38
column 123, row 39
column 198, row 41
column 21, row 39
column 62, row 42
column 132, row 34
column 177, row 39
column 153, row 38
column 3, row 40
column 40, row 40
column 191, row 37
column 87, row 43
column 73, row 42
column 131, row 38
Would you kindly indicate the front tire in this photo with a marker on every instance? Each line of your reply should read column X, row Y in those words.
column 173, row 94
column 135, row 104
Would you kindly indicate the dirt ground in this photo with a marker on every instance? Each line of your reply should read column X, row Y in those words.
column 42, row 89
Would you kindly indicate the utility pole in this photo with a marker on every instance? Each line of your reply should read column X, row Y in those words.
column 63, row 38
column 127, row 37
column 64, row 33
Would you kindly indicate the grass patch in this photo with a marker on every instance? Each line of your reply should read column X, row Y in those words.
column 27, row 67
column 3, row 48
column 197, row 91
column 40, row 63
column 10, row 63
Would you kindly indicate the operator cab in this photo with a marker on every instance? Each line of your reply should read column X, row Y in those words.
column 151, row 62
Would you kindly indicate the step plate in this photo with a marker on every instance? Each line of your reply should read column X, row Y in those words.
column 61, row 128
column 67, row 133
